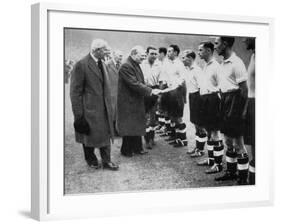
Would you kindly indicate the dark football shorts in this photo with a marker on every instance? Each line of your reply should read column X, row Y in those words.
column 194, row 106
column 209, row 112
column 233, row 114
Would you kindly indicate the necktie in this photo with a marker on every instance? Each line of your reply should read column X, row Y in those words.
column 101, row 68
column 117, row 65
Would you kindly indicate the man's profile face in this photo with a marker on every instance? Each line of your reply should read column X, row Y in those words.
column 203, row 52
column 187, row 61
column 161, row 56
column 140, row 56
column 171, row 53
column 250, row 43
column 219, row 46
column 118, row 57
column 152, row 55
column 100, row 53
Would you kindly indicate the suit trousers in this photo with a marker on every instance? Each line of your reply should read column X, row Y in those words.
column 89, row 153
column 131, row 144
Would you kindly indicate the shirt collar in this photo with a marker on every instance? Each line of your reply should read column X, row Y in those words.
column 114, row 62
column 156, row 63
column 211, row 61
column 133, row 61
column 174, row 61
column 231, row 58
column 193, row 66
column 95, row 59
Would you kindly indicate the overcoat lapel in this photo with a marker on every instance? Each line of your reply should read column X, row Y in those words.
column 107, row 95
column 113, row 67
column 139, row 74
column 94, row 68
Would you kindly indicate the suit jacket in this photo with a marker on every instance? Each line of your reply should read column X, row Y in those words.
column 113, row 81
column 130, row 99
column 90, row 97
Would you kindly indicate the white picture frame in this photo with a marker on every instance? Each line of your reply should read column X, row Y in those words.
column 48, row 201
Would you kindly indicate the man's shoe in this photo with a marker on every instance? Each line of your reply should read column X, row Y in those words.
column 170, row 139
column 173, row 142
column 127, row 154
column 191, row 151
column 92, row 164
column 214, row 169
column 180, row 144
column 161, row 130
column 142, row 152
column 110, row 166
column 242, row 181
column 158, row 127
column 197, row 153
column 165, row 134
column 227, row 176
column 204, row 162
column 148, row 145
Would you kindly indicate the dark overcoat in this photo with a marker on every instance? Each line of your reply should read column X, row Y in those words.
column 90, row 97
column 130, row 100
column 113, row 81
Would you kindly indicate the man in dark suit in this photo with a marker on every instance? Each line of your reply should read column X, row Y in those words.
column 113, row 66
column 91, row 105
column 130, row 103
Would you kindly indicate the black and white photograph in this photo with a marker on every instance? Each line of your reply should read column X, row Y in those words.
column 151, row 111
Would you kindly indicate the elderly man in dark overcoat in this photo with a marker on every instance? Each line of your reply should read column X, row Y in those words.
column 91, row 105
column 130, row 103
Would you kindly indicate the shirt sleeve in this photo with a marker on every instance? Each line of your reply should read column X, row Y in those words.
column 183, row 73
column 217, row 76
column 163, row 76
column 198, row 75
column 240, row 72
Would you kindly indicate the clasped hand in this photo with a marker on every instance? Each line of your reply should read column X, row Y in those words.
column 156, row 92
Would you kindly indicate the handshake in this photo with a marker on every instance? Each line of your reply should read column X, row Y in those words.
column 156, row 92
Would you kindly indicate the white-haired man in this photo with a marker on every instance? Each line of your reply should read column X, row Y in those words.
column 91, row 105
column 130, row 103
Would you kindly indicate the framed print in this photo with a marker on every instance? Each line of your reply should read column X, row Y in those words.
column 148, row 111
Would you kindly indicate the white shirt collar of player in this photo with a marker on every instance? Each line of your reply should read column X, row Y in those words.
column 155, row 63
column 211, row 61
column 231, row 59
column 174, row 61
column 193, row 66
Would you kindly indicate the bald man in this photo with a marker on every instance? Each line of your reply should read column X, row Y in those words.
column 130, row 103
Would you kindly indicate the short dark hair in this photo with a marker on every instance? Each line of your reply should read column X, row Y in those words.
column 208, row 44
column 228, row 40
column 251, row 43
column 149, row 48
column 162, row 50
column 175, row 48
column 190, row 53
